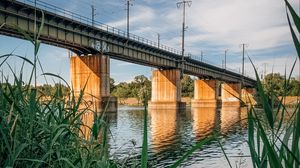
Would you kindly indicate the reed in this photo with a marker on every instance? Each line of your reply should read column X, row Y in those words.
column 35, row 132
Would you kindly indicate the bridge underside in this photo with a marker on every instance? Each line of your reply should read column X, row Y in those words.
column 92, row 72
column 84, row 39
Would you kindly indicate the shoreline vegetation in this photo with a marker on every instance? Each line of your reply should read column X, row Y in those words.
column 289, row 101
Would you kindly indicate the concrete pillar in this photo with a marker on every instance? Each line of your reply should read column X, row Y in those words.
column 231, row 94
column 248, row 96
column 166, row 90
column 92, row 72
column 205, row 93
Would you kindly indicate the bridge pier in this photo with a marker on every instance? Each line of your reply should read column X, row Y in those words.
column 166, row 90
column 231, row 94
column 205, row 93
column 248, row 96
column 92, row 72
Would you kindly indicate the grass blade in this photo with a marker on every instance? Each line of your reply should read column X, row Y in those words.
column 145, row 140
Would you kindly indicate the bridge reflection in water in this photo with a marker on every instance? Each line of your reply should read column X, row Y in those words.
column 163, row 128
column 229, row 117
column 171, row 133
column 204, row 120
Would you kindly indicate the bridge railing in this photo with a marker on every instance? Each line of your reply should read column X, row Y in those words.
column 85, row 20
column 76, row 17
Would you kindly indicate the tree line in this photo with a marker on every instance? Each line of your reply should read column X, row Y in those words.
column 279, row 85
column 140, row 87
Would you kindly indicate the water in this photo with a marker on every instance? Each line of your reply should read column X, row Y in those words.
column 171, row 133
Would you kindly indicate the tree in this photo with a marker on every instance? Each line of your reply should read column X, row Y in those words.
column 273, row 84
column 141, row 88
column 112, row 85
column 187, row 86
column 276, row 85
column 121, row 91
column 294, row 87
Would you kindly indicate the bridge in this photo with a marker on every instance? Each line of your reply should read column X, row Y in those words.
column 95, row 43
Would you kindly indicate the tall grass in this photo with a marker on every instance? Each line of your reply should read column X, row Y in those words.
column 271, row 142
column 35, row 132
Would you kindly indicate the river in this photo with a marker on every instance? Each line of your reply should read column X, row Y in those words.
column 171, row 133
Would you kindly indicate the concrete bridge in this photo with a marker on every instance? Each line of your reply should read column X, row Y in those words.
column 95, row 43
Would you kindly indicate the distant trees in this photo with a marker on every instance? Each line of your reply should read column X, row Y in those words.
column 57, row 89
column 275, row 84
column 140, row 88
column 187, row 86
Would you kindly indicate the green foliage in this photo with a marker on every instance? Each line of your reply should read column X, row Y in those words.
column 142, row 85
column 47, row 133
column 139, row 88
column 49, row 90
column 39, row 133
column 274, row 144
column 274, row 84
column 187, row 86
column 144, row 159
column 112, row 85
column 122, row 91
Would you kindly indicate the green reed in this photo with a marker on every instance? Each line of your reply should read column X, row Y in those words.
column 35, row 132
column 272, row 142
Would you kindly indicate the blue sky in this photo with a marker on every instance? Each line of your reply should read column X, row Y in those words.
column 213, row 27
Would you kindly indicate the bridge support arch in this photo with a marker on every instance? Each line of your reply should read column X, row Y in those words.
column 205, row 93
column 166, row 90
column 231, row 94
column 92, row 72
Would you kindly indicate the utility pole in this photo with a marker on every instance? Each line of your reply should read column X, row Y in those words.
column 225, row 58
column 184, row 3
column 201, row 56
column 128, row 4
column 35, row 40
column 265, row 69
column 158, row 40
column 93, row 15
column 243, row 63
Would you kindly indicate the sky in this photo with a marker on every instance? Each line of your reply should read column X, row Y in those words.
column 213, row 26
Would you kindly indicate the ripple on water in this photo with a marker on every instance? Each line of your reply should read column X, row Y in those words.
column 172, row 133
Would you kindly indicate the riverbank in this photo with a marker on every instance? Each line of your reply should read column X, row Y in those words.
column 134, row 102
column 288, row 101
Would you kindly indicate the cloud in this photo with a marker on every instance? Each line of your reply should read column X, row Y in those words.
column 213, row 26
column 277, row 65
column 124, row 64
column 142, row 15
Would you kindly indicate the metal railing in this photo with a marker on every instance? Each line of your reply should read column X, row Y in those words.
column 85, row 20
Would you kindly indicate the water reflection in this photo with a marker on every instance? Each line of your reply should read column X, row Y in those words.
column 244, row 115
column 163, row 128
column 230, row 116
column 171, row 133
column 203, row 121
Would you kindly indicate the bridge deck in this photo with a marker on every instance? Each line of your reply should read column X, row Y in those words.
column 83, row 38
